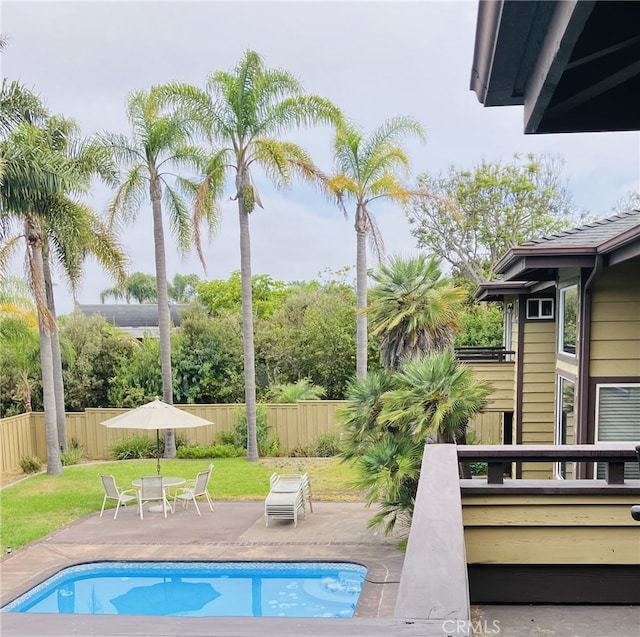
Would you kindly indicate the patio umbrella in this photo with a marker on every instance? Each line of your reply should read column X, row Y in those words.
column 165, row 598
column 156, row 415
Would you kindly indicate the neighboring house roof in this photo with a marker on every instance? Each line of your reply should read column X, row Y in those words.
column 134, row 319
column 613, row 240
column 573, row 64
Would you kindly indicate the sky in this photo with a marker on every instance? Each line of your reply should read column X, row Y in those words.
column 375, row 60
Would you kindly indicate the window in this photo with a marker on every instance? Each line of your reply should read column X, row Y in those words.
column 539, row 308
column 565, row 424
column 568, row 335
column 618, row 419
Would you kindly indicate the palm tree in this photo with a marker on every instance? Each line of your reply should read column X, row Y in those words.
column 368, row 169
column 141, row 287
column 388, row 417
column 434, row 398
column 45, row 167
column 413, row 308
column 159, row 145
column 34, row 176
column 245, row 111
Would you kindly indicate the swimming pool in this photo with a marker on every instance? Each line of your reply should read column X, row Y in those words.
column 199, row 589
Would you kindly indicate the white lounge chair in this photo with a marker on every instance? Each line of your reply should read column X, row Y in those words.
column 289, row 495
column 112, row 492
column 152, row 489
column 194, row 489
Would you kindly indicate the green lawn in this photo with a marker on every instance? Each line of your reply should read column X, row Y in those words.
column 35, row 507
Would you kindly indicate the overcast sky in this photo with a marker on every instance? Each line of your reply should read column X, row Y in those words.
column 375, row 60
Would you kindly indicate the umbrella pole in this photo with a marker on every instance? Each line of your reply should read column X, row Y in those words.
column 158, row 450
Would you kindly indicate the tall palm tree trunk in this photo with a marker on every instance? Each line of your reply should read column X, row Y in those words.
column 247, row 329
column 58, row 383
column 361, row 303
column 163, row 309
column 54, row 464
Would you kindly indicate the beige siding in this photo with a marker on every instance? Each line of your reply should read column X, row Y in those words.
column 559, row 529
column 615, row 322
column 501, row 377
column 538, row 391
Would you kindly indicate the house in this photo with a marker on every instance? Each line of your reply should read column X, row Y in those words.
column 572, row 300
column 573, row 65
column 572, row 315
column 137, row 320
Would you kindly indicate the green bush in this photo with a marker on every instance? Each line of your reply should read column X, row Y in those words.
column 137, row 447
column 326, row 445
column 30, row 464
column 226, row 438
column 272, row 449
column 214, row 451
column 301, row 451
column 72, row 455
column 262, row 427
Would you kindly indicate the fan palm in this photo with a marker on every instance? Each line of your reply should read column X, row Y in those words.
column 368, row 169
column 413, row 308
column 159, row 145
column 434, row 398
column 245, row 111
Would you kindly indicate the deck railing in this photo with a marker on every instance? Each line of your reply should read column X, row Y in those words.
column 614, row 455
column 495, row 354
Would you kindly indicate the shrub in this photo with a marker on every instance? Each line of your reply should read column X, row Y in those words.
column 213, row 451
column 137, row 447
column 262, row 427
column 326, row 445
column 272, row 449
column 30, row 464
column 72, row 455
column 301, row 451
column 226, row 438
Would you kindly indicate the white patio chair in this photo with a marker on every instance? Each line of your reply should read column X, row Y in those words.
column 291, row 481
column 289, row 495
column 152, row 489
column 112, row 492
column 194, row 489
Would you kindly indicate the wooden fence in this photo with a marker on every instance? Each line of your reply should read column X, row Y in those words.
column 295, row 425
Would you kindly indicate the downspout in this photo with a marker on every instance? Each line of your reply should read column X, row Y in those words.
column 582, row 469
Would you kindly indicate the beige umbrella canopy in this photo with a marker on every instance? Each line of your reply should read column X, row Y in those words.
column 156, row 415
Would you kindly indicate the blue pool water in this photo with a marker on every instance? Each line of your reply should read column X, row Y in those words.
column 199, row 589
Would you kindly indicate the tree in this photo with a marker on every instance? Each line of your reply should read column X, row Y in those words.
column 245, row 111
column 303, row 389
column 96, row 351
column 160, row 144
column 368, row 169
column 19, row 347
column 475, row 216
column 312, row 335
column 183, row 288
column 390, row 415
column 64, row 229
column 413, row 309
column 138, row 286
column 34, row 177
column 221, row 297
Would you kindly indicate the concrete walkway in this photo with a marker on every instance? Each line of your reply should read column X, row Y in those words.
column 236, row 531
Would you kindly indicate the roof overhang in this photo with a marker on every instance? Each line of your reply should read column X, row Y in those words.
column 499, row 289
column 541, row 262
column 573, row 64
